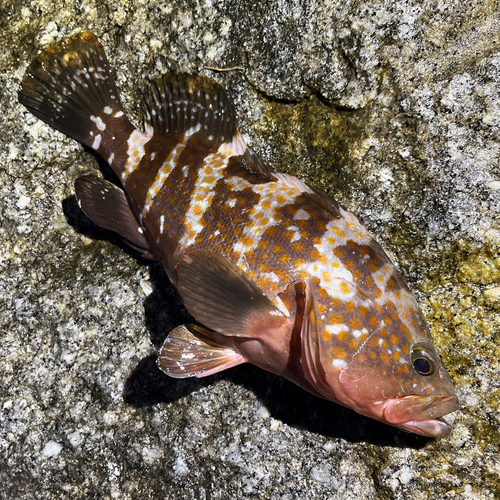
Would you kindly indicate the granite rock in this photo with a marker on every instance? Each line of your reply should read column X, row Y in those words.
column 393, row 108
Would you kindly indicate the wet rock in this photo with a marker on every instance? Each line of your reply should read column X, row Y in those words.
column 393, row 108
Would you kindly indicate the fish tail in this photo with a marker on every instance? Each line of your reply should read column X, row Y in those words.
column 70, row 87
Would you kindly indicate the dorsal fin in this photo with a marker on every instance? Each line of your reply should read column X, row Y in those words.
column 178, row 103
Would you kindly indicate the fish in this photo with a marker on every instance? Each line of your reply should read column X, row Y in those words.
column 273, row 270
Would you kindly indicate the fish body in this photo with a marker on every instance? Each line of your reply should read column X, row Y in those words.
column 277, row 273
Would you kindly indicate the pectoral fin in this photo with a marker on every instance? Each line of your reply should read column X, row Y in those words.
column 107, row 206
column 194, row 351
column 221, row 296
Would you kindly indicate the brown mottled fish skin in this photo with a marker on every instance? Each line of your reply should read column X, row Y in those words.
column 277, row 272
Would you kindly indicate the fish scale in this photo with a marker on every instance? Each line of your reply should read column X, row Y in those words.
column 275, row 272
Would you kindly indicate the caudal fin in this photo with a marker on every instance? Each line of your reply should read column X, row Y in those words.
column 70, row 87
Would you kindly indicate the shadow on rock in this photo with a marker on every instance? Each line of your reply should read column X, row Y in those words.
column 287, row 402
column 148, row 386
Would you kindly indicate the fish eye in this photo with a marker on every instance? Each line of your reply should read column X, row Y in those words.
column 422, row 361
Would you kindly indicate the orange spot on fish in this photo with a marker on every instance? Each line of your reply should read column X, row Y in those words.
column 338, row 232
column 271, row 231
column 330, row 240
column 405, row 348
column 357, row 275
column 349, row 264
column 353, row 344
column 349, row 306
column 394, row 339
column 344, row 288
column 321, row 308
column 355, row 324
column 247, row 241
column 339, row 353
column 343, row 335
column 326, row 335
column 385, row 358
column 336, row 319
column 326, row 276
column 390, row 284
column 396, row 356
column 264, row 268
column 298, row 246
column 263, row 282
column 263, row 244
column 339, row 252
column 362, row 310
column 336, row 302
column 284, row 259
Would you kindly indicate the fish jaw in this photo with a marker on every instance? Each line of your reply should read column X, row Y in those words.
column 419, row 414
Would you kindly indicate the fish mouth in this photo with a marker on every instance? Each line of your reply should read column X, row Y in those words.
column 420, row 414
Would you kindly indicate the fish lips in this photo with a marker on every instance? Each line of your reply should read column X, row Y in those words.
column 419, row 414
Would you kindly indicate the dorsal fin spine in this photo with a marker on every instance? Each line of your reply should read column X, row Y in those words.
column 178, row 103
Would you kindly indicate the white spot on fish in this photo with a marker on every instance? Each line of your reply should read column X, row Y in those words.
column 302, row 215
column 162, row 220
column 135, row 151
column 236, row 147
column 339, row 363
column 191, row 131
column 98, row 122
column 97, row 142
column 108, row 110
column 119, row 114
column 111, row 158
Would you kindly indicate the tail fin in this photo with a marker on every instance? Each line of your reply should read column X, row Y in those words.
column 69, row 85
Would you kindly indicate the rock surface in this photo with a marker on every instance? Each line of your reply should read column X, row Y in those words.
column 392, row 107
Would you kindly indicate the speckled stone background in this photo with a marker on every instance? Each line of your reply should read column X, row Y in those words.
column 391, row 106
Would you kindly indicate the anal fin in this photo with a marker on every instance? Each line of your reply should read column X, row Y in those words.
column 107, row 206
column 194, row 351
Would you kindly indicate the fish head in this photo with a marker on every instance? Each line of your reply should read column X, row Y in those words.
column 378, row 359
column 410, row 393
